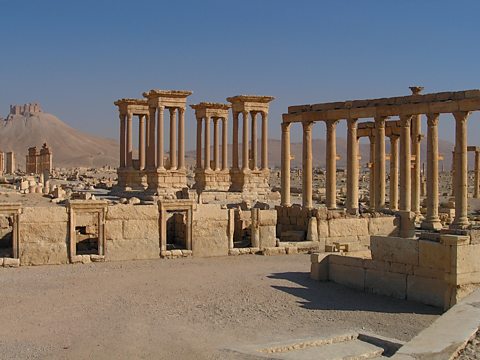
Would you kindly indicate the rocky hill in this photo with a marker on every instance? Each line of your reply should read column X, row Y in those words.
column 70, row 147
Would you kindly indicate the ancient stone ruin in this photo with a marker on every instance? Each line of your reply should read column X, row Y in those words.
column 388, row 232
column 39, row 162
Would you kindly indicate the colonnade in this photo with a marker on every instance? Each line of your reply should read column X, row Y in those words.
column 204, row 122
column 409, row 109
column 250, row 155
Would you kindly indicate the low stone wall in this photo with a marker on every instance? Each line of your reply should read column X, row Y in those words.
column 132, row 232
column 211, row 230
column 43, row 235
column 333, row 226
column 432, row 272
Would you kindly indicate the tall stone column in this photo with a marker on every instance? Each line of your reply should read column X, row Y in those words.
column 405, row 163
column 206, row 160
column 160, row 138
column 122, row 141
column 245, row 142
column 380, row 163
column 307, row 165
column 151, row 161
column 461, row 171
column 181, row 139
column 285, row 179
column 264, row 140
column 476, row 191
column 173, row 138
column 371, row 184
column 216, row 144
column 394, row 172
column 416, row 128
column 331, row 159
column 452, row 172
column 254, row 141
column 352, row 167
column 141, row 142
column 199, row 143
column 432, row 221
column 129, row 141
column 235, row 162
column 224, row 144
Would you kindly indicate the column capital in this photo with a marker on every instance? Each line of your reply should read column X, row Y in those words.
column 405, row 120
column 285, row 126
column 245, row 113
column 307, row 125
column 352, row 121
column 461, row 115
column 394, row 137
column 380, row 121
column 161, row 107
column 181, row 110
column 432, row 119
column 331, row 123
column 172, row 110
column 371, row 138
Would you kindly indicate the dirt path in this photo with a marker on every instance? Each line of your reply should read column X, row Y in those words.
column 184, row 309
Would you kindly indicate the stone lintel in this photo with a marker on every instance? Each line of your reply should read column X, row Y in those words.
column 132, row 106
column 473, row 148
column 167, row 98
column 250, row 103
column 443, row 102
column 210, row 109
column 10, row 208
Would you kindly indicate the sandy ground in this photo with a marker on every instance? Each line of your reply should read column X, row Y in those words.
column 184, row 309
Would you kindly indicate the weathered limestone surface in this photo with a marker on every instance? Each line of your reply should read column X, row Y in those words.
column 131, row 232
column 43, row 239
column 210, row 224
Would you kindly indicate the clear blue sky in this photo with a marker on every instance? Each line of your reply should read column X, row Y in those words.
column 77, row 57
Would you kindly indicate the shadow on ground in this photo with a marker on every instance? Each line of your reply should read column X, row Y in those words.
column 317, row 295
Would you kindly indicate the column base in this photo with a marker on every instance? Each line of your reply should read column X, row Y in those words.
column 256, row 181
column 431, row 224
column 212, row 180
column 131, row 179
column 461, row 224
column 162, row 181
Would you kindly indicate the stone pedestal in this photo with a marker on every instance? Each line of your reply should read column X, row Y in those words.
column 131, row 179
column 254, row 181
column 209, row 180
column 164, row 181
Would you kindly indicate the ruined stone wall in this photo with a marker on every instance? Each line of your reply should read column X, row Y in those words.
column 210, row 228
column 436, row 272
column 132, row 232
column 43, row 235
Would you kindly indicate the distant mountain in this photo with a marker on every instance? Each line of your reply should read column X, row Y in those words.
column 70, row 147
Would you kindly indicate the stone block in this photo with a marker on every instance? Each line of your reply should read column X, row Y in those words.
column 346, row 260
column 132, row 212
column 385, row 225
column 140, row 229
column 214, row 211
column 267, row 217
column 319, row 266
column 44, row 253
column 291, row 250
column 348, row 227
column 386, row 283
column 374, row 264
column 114, row 229
column 132, row 250
column 210, row 238
column 312, row 229
column 45, row 214
column 11, row 262
column 274, row 251
column 394, row 249
column 97, row 258
column 427, row 291
column 54, row 232
column 465, row 259
column 353, row 277
column 268, row 236
column 434, row 255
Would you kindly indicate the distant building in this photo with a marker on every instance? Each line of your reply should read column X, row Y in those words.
column 37, row 162
column 25, row 109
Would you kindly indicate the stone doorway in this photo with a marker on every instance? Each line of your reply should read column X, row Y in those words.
column 242, row 233
column 177, row 230
column 86, row 239
column 6, row 236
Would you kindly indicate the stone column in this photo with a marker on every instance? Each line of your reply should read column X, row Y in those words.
column 254, row 140
column 307, row 165
column 224, row 144
column 151, row 163
column 371, row 184
column 432, row 221
column 405, row 163
column 206, row 160
column 461, row 171
column 452, row 172
column 160, row 138
column 129, row 141
column 216, row 144
column 416, row 128
column 264, row 140
column 285, row 179
column 476, row 191
column 245, row 142
column 394, row 172
column 331, row 160
column 235, row 161
column 199, row 143
column 173, row 138
column 122, row 141
column 181, row 138
column 352, row 167
column 380, row 163
column 141, row 142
